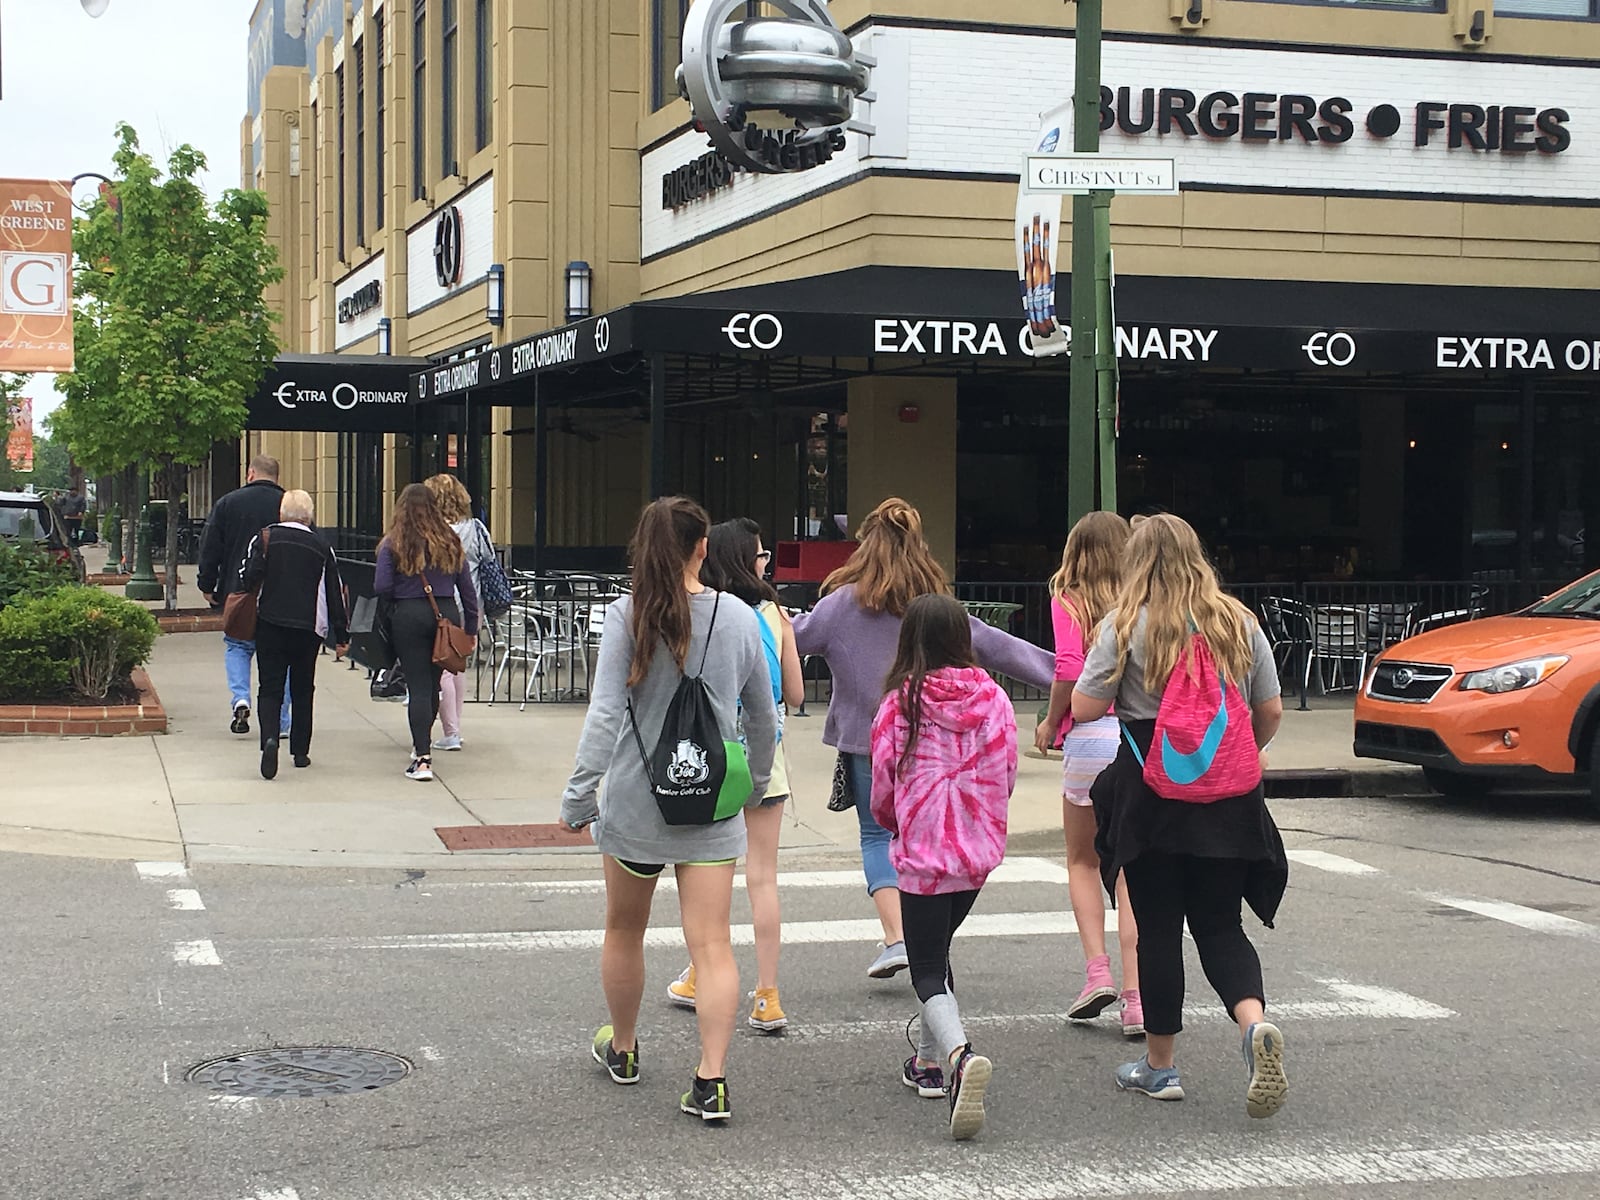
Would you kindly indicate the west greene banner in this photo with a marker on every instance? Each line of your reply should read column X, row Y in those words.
column 35, row 275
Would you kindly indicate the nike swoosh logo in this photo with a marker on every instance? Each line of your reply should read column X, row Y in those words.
column 1185, row 769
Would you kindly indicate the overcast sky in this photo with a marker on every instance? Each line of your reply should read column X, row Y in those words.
column 173, row 69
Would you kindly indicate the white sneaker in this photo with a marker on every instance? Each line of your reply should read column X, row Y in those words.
column 421, row 769
column 448, row 741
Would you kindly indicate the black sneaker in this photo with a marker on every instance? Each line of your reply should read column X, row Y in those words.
column 302, row 760
column 241, row 719
column 968, row 1082
column 269, row 759
column 707, row 1099
column 621, row 1065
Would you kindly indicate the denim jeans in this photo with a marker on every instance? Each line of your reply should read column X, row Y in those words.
column 236, row 656
column 874, row 837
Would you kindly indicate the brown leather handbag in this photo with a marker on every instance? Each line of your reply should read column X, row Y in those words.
column 451, row 643
column 239, row 608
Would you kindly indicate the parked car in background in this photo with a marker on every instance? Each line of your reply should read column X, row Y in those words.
column 19, row 509
column 1512, row 699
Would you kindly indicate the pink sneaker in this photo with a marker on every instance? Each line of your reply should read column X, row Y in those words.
column 1132, row 1014
column 1098, row 991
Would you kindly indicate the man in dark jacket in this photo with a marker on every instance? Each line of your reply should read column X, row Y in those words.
column 235, row 519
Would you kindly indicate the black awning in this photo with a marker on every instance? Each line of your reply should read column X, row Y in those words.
column 902, row 314
column 335, row 393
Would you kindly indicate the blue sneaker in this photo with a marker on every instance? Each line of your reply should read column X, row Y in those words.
column 1263, row 1056
column 1159, row 1083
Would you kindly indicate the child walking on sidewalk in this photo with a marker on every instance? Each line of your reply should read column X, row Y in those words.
column 944, row 763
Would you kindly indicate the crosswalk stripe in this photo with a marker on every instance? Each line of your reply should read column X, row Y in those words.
column 161, row 870
column 795, row 933
column 1336, row 863
column 200, row 953
column 185, row 900
column 1535, row 919
column 1012, row 870
column 1242, row 1165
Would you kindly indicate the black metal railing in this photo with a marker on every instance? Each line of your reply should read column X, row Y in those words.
column 544, row 649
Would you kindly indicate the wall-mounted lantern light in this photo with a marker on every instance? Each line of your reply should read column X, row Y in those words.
column 580, row 290
column 495, row 310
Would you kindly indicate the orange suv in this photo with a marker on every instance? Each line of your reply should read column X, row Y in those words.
column 1512, row 699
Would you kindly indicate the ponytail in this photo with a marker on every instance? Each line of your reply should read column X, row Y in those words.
column 669, row 529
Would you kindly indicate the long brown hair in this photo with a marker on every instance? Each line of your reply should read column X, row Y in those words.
column 664, row 541
column 1165, row 572
column 934, row 634
column 893, row 565
column 1091, row 569
column 419, row 537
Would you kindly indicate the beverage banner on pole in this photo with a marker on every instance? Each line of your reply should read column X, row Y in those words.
column 35, row 275
column 19, row 443
column 1038, row 241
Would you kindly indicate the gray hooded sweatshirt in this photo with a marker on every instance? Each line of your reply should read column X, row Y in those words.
column 629, row 825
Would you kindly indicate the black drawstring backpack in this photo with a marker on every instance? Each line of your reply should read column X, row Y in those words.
column 696, row 775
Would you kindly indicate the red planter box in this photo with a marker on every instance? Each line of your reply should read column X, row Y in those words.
column 809, row 562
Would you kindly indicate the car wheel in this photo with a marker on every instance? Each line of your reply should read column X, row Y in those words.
column 1453, row 783
column 1594, row 773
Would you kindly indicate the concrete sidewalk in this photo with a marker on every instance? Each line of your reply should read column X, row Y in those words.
column 196, row 793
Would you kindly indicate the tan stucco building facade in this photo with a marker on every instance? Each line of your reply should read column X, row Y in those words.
column 1417, row 184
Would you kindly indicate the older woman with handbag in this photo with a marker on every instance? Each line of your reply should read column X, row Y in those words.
column 422, row 568
column 299, row 601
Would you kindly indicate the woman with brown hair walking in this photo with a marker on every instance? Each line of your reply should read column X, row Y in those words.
column 422, row 569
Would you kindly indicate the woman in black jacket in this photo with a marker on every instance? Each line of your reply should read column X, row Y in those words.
column 301, row 603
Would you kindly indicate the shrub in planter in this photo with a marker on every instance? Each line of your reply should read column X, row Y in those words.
column 78, row 635
column 26, row 571
column 33, row 665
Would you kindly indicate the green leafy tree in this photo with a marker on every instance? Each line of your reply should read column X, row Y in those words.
column 173, row 332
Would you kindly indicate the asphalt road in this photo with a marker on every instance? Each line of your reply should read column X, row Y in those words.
column 1434, row 971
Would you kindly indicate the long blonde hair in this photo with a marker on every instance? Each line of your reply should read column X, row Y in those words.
column 1091, row 569
column 1165, row 572
column 419, row 537
column 450, row 494
column 893, row 565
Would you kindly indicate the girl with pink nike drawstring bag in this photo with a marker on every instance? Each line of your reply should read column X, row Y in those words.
column 1180, row 812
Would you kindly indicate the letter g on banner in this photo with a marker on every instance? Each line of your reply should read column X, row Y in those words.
column 754, row 331
column 1330, row 349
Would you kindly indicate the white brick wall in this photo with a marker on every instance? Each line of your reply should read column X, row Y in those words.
column 975, row 100
column 363, row 324
column 477, row 247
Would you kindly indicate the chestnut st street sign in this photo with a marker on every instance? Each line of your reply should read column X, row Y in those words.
column 1079, row 174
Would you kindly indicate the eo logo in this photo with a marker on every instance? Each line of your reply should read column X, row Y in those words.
column 757, row 331
column 602, row 334
column 1330, row 349
column 285, row 395
column 34, row 284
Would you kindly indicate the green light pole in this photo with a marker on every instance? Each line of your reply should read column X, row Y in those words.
column 143, row 584
column 1087, row 252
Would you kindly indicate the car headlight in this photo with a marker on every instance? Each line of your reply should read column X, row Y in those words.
column 1513, row 677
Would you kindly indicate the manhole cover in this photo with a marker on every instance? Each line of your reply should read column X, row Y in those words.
column 300, row 1071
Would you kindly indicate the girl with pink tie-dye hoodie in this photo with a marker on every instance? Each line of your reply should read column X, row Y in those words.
column 944, row 763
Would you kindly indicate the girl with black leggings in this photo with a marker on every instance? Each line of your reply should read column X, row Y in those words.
column 1193, row 858
column 422, row 554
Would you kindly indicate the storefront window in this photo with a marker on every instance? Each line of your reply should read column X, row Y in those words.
column 419, row 102
column 338, row 140
column 483, row 72
column 448, row 76
column 1546, row 8
column 361, row 146
column 379, row 73
column 667, row 44
column 1425, row 5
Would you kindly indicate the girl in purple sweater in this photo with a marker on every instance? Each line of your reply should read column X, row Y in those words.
column 944, row 764
column 855, row 627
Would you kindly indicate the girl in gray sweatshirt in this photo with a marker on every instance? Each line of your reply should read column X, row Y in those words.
column 670, row 625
